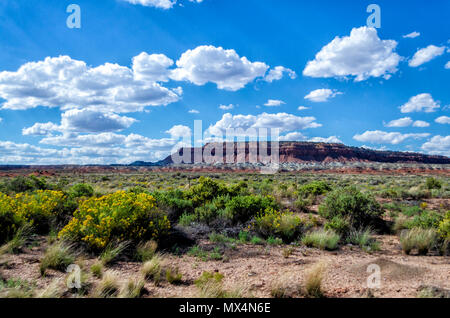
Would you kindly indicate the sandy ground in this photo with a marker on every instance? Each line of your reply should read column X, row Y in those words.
column 255, row 270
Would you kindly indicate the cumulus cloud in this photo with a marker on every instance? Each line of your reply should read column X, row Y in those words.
column 82, row 121
column 412, row 35
column 274, row 103
column 322, row 95
column 153, row 68
column 425, row 55
column 302, row 108
column 179, row 131
column 447, row 66
column 361, row 55
column 282, row 121
column 226, row 107
column 443, row 120
column 382, row 137
column 420, row 103
column 67, row 83
column 407, row 121
column 293, row 136
column 193, row 111
column 225, row 68
column 421, row 124
column 277, row 73
column 438, row 145
column 331, row 139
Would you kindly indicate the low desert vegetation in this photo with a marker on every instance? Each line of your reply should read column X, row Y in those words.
column 148, row 218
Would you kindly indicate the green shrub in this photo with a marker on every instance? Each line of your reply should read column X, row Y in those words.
column 285, row 225
column 427, row 219
column 339, row 225
column 243, row 208
column 315, row 188
column 363, row 238
column 81, row 190
column 433, row 183
column 325, row 240
column 360, row 209
column 444, row 227
column 187, row 219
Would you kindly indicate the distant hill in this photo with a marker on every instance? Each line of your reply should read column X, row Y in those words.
column 311, row 152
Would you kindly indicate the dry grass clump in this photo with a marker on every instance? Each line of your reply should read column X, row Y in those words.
column 97, row 269
column 313, row 280
column 284, row 287
column 145, row 251
column 57, row 256
column 108, row 287
column 112, row 252
column 133, row 288
column 421, row 239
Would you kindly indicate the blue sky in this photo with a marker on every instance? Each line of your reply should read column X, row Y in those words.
column 130, row 82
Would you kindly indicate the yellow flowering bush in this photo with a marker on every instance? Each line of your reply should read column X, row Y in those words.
column 40, row 208
column 444, row 227
column 9, row 220
column 119, row 216
column 276, row 223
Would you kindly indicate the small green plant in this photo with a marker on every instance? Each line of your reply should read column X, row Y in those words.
column 173, row 276
column 153, row 269
column 57, row 256
column 145, row 251
column 323, row 239
column 112, row 252
column 18, row 241
column 210, row 285
column 433, row 183
column 274, row 241
column 97, row 269
column 255, row 240
column 133, row 288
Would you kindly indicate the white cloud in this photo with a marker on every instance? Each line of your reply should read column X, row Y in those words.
column 438, row 145
column 425, row 55
column 153, row 68
column 179, row 131
column 422, row 102
column 277, row 73
column 421, row 124
column 361, row 55
column 293, row 136
column 67, row 83
column 401, row 122
column 82, row 121
column 193, row 111
column 447, row 66
column 407, row 121
column 322, row 95
column 274, row 103
column 331, row 139
column 216, row 65
column 302, row 108
column 382, row 137
column 282, row 121
column 226, row 107
column 443, row 120
column 162, row 4
column 412, row 35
